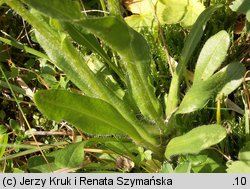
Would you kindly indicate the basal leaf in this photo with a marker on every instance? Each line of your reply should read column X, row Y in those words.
column 63, row 10
column 199, row 94
column 134, row 50
column 187, row 51
column 89, row 41
column 211, row 56
column 195, row 140
column 91, row 115
column 64, row 55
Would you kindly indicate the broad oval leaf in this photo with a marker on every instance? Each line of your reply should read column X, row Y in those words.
column 91, row 115
column 184, row 12
column 62, row 10
column 174, row 11
column 195, row 140
column 211, row 56
column 193, row 10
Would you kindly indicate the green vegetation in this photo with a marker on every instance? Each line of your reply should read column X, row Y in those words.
column 124, row 86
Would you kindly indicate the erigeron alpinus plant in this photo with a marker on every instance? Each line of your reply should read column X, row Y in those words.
column 106, row 107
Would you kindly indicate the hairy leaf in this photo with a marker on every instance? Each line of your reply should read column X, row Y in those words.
column 211, row 56
column 195, row 140
column 89, row 41
column 187, row 51
column 133, row 48
column 91, row 115
column 63, row 10
column 65, row 56
column 199, row 94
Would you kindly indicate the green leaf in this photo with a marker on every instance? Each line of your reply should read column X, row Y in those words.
column 166, row 168
column 174, row 11
column 243, row 165
column 91, row 115
column 121, row 147
column 183, row 167
column 195, row 140
column 104, row 74
column 89, row 41
column 71, row 156
column 187, row 51
column 141, row 6
column 211, row 56
column 244, row 154
column 21, row 46
column 66, row 57
column 63, row 10
column 139, row 21
column 184, row 12
column 248, row 16
column 199, row 94
column 208, row 161
column 37, row 164
column 3, row 141
column 193, row 10
column 134, row 50
column 241, row 6
column 238, row 167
